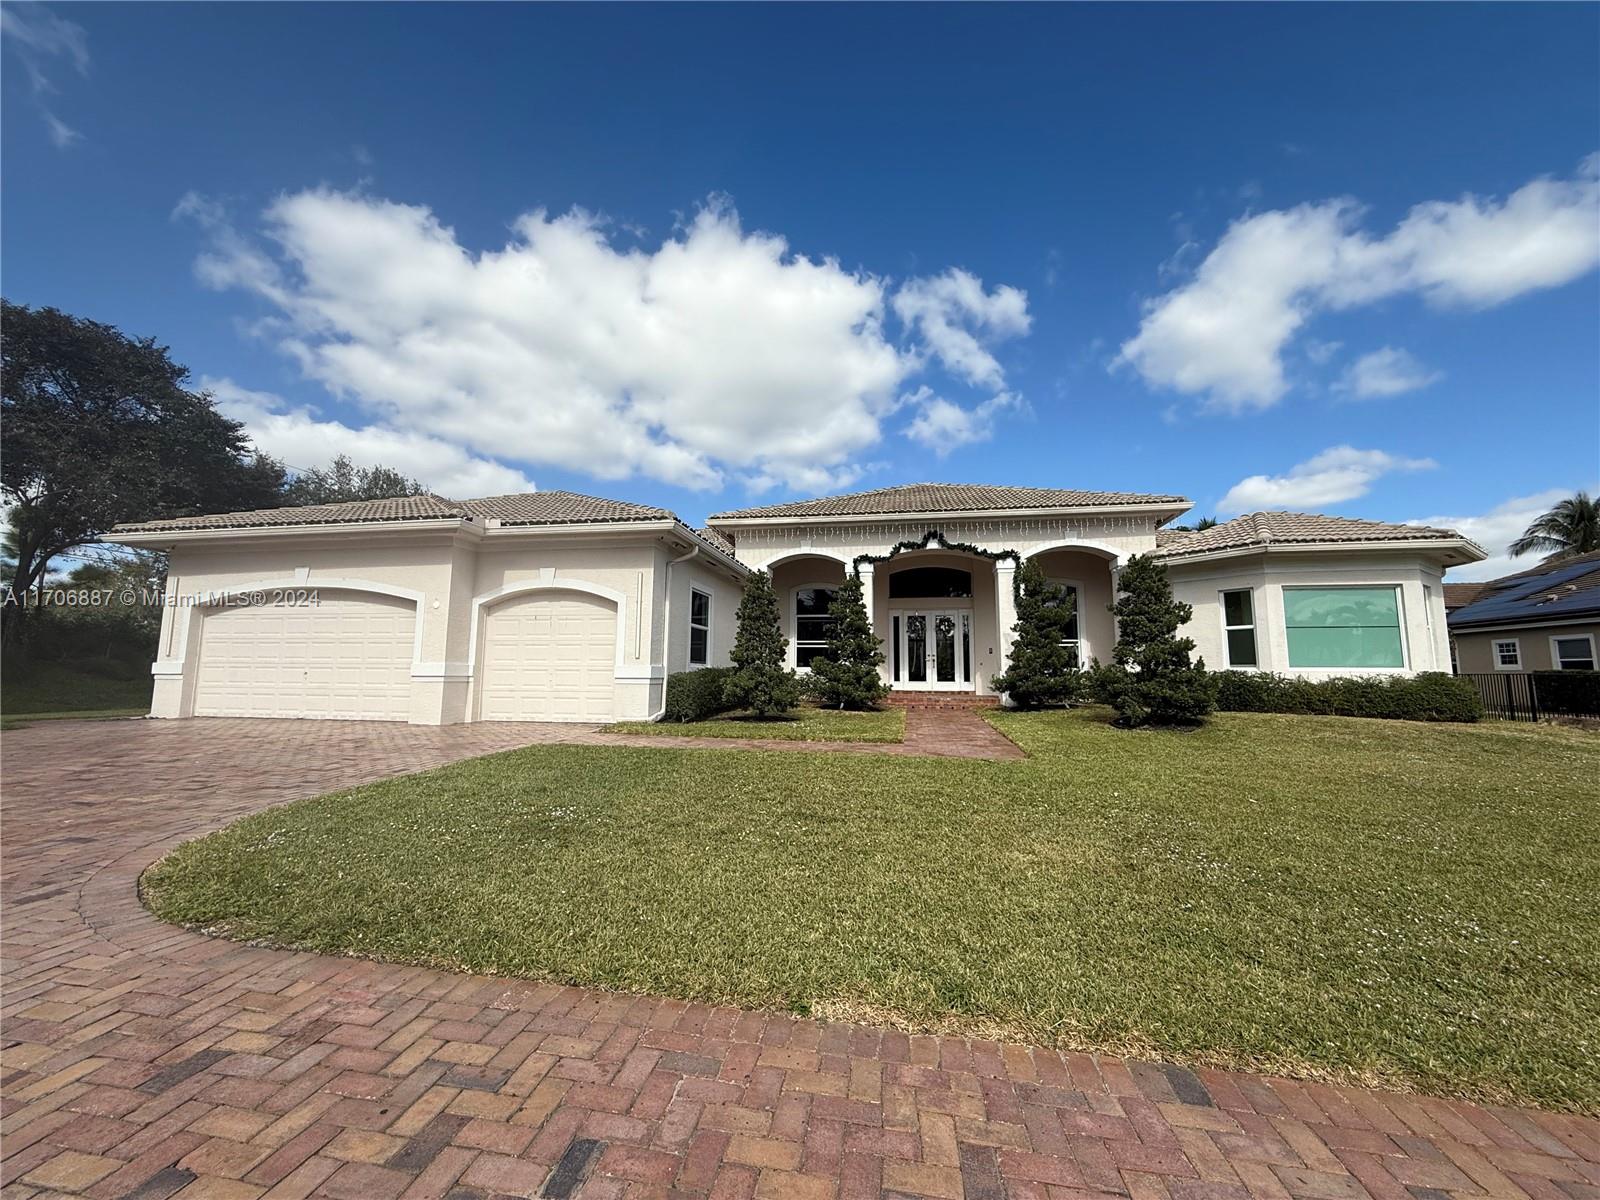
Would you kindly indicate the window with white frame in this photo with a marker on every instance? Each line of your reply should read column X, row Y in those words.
column 812, row 624
column 1239, row 627
column 1507, row 654
column 1572, row 653
column 699, row 627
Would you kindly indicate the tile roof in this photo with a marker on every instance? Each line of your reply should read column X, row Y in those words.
column 945, row 497
column 561, row 508
column 718, row 540
column 1280, row 528
column 1459, row 595
column 528, row 508
column 421, row 507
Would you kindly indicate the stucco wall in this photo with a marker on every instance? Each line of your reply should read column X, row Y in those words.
column 724, row 594
column 1474, row 651
column 454, row 578
column 1422, row 625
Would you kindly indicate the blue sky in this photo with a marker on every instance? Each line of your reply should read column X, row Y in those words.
column 1339, row 258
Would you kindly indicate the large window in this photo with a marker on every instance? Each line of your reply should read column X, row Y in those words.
column 812, row 624
column 1239, row 627
column 1572, row 653
column 699, row 627
column 1343, row 627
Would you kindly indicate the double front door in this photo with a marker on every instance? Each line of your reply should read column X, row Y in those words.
column 932, row 649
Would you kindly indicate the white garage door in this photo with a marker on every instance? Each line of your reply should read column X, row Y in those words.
column 549, row 657
column 348, row 657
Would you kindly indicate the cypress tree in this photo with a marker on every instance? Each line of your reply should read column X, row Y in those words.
column 1153, row 680
column 1040, row 672
column 846, row 675
column 760, row 682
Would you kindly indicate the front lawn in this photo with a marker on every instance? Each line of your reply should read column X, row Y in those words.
column 1388, row 903
column 808, row 724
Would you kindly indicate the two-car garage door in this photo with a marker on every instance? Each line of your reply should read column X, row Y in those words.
column 347, row 656
column 546, row 656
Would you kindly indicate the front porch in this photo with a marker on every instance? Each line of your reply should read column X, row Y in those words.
column 943, row 615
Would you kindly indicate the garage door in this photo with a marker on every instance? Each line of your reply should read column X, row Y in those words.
column 348, row 656
column 549, row 657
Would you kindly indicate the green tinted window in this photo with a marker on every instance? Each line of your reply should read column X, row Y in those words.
column 1343, row 627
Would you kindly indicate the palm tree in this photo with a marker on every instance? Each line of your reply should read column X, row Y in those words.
column 1571, row 527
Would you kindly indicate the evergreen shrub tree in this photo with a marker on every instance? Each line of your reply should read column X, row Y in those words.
column 1040, row 672
column 759, row 681
column 1152, row 679
column 846, row 675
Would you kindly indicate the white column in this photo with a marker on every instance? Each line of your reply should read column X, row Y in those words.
column 869, row 595
column 1005, row 608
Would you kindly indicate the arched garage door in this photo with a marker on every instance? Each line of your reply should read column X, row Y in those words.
column 347, row 656
column 549, row 656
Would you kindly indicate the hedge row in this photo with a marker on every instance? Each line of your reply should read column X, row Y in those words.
column 1431, row 696
column 696, row 695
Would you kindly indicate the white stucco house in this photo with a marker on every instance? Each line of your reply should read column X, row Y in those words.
column 557, row 606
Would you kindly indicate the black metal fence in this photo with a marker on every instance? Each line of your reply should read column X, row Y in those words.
column 1530, row 695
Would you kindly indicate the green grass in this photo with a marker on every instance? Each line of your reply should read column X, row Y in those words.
column 35, row 688
column 1380, row 902
column 13, row 720
column 809, row 724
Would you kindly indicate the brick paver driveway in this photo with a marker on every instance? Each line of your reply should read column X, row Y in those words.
column 144, row 1060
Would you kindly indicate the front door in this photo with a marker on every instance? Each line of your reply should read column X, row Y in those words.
column 933, row 650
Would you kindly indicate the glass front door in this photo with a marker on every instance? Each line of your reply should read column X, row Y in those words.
column 933, row 650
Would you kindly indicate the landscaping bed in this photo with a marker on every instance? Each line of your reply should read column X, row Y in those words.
column 1380, row 902
column 806, row 723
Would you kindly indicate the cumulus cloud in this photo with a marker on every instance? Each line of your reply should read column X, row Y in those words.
column 718, row 352
column 299, row 438
column 942, row 426
column 1338, row 474
column 958, row 320
column 1222, row 334
column 1496, row 529
column 1386, row 372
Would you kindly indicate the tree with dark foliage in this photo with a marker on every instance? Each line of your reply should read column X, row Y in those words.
column 1040, row 673
column 846, row 674
column 1152, row 680
column 100, row 428
column 342, row 481
column 760, row 681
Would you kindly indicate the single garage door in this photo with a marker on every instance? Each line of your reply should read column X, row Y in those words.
column 347, row 656
column 550, row 656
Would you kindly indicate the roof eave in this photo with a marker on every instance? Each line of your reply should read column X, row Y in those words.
column 1469, row 551
column 155, row 538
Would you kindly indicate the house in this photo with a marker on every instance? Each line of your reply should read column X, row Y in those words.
column 557, row 606
column 1546, row 618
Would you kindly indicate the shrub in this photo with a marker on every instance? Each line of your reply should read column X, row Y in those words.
column 1431, row 696
column 1153, row 681
column 759, row 680
column 696, row 695
column 1040, row 672
column 1575, row 692
column 846, row 674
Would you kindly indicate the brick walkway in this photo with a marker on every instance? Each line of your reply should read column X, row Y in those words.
column 143, row 1060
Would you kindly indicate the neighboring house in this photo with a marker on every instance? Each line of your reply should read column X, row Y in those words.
column 1546, row 618
column 555, row 606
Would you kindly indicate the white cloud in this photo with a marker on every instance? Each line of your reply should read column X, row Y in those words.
column 718, row 351
column 1338, row 474
column 943, row 426
column 298, row 438
column 1321, row 352
column 1496, row 529
column 958, row 321
column 1222, row 334
column 1386, row 372
column 39, row 38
